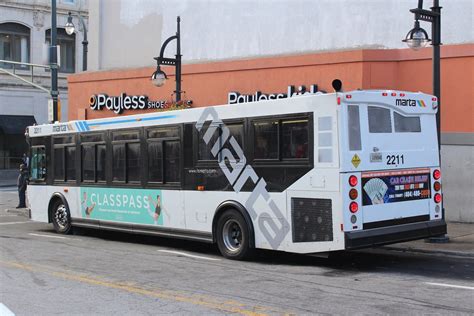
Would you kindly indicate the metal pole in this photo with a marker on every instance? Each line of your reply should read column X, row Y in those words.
column 84, row 44
column 54, row 62
column 178, row 63
column 436, row 36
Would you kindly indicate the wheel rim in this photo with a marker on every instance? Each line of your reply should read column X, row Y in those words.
column 60, row 217
column 232, row 235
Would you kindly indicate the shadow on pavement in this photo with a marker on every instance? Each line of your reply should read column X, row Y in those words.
column 338, row 264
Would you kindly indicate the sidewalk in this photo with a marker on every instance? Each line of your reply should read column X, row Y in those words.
column 461, row 243
column 8, row 177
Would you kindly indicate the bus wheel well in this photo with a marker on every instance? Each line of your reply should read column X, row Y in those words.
column 228, row 205
column 55, row 198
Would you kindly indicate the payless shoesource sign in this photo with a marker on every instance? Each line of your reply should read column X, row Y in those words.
column 237, row 97
column 124, row 102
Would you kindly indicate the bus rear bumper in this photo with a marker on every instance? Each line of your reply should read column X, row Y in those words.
column 394, row 234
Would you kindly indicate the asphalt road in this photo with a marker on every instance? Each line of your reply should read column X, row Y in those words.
column 42, row 273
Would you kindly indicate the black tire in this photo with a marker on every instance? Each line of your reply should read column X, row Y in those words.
column 61, row 218
column 233, row 236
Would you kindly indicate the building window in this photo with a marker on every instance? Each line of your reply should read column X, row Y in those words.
column 14, row 44
column 67, row 55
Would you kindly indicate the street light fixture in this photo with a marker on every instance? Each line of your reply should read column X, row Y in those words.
column 70, row 29
column 159, row 77
column 417, row 37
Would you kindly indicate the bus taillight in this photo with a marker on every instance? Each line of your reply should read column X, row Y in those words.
column 353, row 181
column 436, row 174
column 353, row 207
column 437, row 186
column 353, row 194
column 437, row 198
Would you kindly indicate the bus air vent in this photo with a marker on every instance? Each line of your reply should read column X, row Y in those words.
column 311, row 219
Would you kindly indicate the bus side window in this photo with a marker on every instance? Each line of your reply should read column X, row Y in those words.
column 266, row 139
column 93, row 151
column 38, row 163
column 59, row 163
column 236, row 130
column 295, row 139
column 204, row 150
column 64, row 158
column 126, row 156
column 164, row 155
column 353, row 123
column 379, row 120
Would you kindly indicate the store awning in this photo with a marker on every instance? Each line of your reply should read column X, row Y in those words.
column 15, row 124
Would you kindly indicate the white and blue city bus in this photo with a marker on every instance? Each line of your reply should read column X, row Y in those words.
column 308, row 174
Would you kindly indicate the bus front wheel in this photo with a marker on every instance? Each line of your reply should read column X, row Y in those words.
column 233, row 237
column 61, row 218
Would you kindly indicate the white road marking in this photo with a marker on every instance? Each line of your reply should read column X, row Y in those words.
column 11, row 223
column 48, row 236
column 188, row 255
column 5, row 311
column 452, row 285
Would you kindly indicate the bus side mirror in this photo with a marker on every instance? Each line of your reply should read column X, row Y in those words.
column 337, row 85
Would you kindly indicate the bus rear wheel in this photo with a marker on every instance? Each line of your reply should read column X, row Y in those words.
column 233, row 238
column 61, row 218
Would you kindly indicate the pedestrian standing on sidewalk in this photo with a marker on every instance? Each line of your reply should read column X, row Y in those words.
column 21, row 183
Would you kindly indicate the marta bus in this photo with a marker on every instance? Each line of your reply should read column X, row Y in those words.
column 308, row 174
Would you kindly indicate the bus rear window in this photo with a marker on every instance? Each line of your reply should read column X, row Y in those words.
column 354, row 127
column 379, row 120
column 406, row 124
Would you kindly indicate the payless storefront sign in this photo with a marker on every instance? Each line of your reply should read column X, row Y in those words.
column 124, row 102
column 236, row 97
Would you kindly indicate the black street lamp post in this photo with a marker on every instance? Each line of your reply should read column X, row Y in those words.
column 70, row 29
column 159, row 76
column 417, row 38
column 53, row 53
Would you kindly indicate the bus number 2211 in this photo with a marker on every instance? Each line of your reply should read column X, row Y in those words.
column 395, row 160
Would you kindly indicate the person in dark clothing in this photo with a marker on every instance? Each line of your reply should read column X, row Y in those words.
column 21, row 183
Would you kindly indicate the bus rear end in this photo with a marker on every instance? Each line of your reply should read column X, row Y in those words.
column 390, row 174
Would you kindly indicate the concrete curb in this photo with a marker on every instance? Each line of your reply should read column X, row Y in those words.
column 425, row 251
column 19, row 211
column 7, row 185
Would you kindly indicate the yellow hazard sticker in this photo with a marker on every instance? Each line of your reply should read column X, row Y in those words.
column 355, row 160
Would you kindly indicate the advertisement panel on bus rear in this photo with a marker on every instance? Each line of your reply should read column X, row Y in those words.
column 122, row 205
column 395, row 186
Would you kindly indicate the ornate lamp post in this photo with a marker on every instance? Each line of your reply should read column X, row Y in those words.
column 70, row 29
column 417, row 38
column 53, row 62
column 159, row 76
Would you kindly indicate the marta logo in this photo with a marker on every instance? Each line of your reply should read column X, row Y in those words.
column 405, row 102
